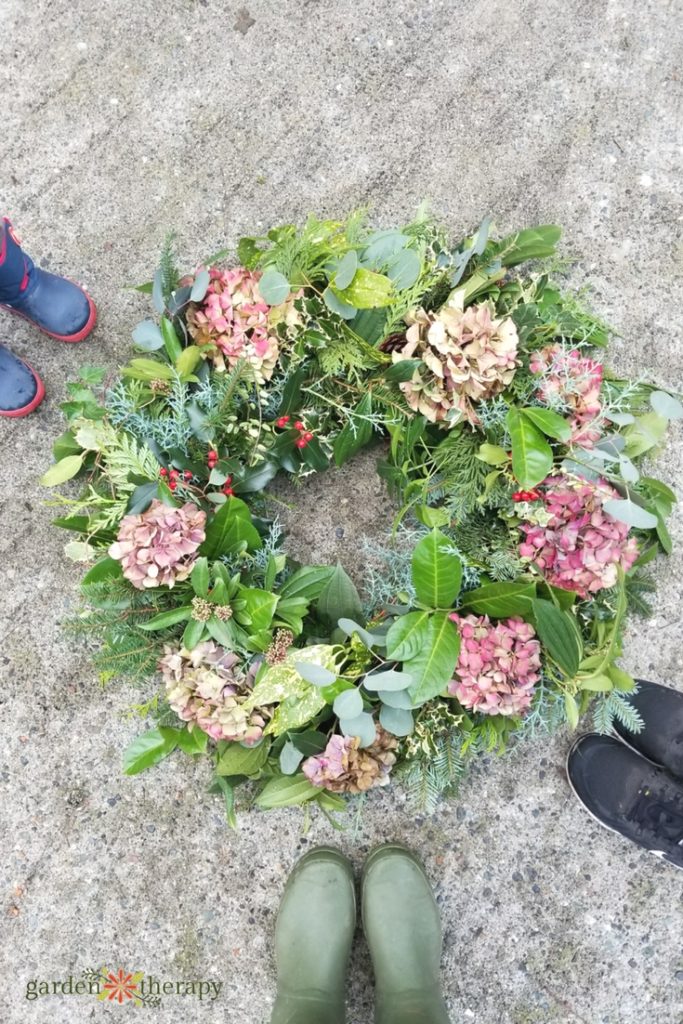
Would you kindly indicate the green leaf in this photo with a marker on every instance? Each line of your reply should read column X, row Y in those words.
column 500, row 600
column 362, row 726
column 227, row 790
column 355, row 433
column 572, row 710
column 148, row 369
column 530, row 244
column 628, row 512
column 407, row 636
column 286, row 791
column 149, row 749
column 188, row 360
column 62, row 471
column 436, row 572
column 239, row 760
column 549, row 423
column 147, row 336
column 171, row 340
column 368, row 290
column 105, row 569
column 273, row 287
column 65, row 444
column 645, row 434
column 396, row 698
column 666, row 405
column 316, row 675
column 369, row 639
column 193, row 742
column 337, row 305
column 389, row 680
column 396, row 720
column 492, row 454
column 433, row 666
column 559, row 634
column 230, row 531
column 348, row 704
column 532, row 457
column 621, row 680
column 199, row 577
column 194, row 631
column 404, row 269
column 259, row 607
column 346, row 270
column 402, row 370
column 664, row 536
column 339, row 598
column 164, row 620
column 290, row 758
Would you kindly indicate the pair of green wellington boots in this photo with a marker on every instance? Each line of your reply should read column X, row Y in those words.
column 315, row 929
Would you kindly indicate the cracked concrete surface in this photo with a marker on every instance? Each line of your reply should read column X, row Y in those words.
column 122, row 120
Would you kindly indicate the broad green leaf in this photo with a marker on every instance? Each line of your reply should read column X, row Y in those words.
column 316, row 675
column 194, row 631
column 549, row 423
column 286, row 791
column 193, row 741
column 628, row 512
column 230, row 530
column 199, row 577
column 404, row 269
column 339, row 598
column 572, row 710
column 337, row 305
column 188, row 360
column 259, row 607
column 560, row 635
column 597, row 684
column 368, row 290
column 666, row 405
column 492, row 454
column 356, row 432
column 105, row 569
column 645, row 434
column 273, row 287
column 396, row 698
column 407, row 636
column 532, row 457
column 226, row 788
column 402, row 369
column 433, row 666
column 200, row 285
column 388, row 679
column 346, row 271
column 621, row 680
column 362, row 725
column 239, row 760
column 65, row 444
column 62, row 471
column 147, row 336
column 149, row 749
column 171, row 340
column 436, row 572
column 396, row 720
column 500, row 600
column 148, row 369
column 370, row 640
column 348, row 704
column 290, row 758
column 164, row 620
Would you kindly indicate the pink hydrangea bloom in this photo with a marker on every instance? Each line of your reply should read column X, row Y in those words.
column 581, row 547
column 573, row 381
column 234, row 319
column 498, row 665
column 158, row 547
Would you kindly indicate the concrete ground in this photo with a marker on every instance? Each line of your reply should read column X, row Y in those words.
column 122, row 120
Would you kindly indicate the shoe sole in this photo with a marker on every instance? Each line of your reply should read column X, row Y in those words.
column 660, row 855
column 68, row 338
column 33, row 404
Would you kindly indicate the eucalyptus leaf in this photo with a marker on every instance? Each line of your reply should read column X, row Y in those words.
column 200, row 286
column 362, row 726
column 626, row 511
column 404, row 269
column 147, row 336
column 348, row 704
column 369, row 639
column 343, row 309
column 398, row 721
column 273, row 287
column 317, row 675
column 346, row 270
column 666, row 405
column 396, row 698
column 388, row 679
column 290, row 758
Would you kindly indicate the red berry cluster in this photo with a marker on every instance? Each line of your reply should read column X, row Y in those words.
column 526, row 496
column 211, row 460
column 305, row 436
column 173, row 476
column 227, row 489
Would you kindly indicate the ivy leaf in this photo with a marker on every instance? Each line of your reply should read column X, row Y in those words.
column 149, row 749
column 433, row 666
column 532, row 457
column 436, row 572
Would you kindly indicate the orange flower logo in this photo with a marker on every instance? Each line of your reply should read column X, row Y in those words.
column 120, row 986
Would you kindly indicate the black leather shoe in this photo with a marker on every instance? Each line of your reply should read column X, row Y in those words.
column 21, row 389
column 661, row 738
column 628, row 795
column 54, row 304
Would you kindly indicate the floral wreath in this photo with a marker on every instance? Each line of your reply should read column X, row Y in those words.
column 524, row 532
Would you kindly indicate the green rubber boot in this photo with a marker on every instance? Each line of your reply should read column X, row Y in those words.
column 403, row 929
column 313, row 937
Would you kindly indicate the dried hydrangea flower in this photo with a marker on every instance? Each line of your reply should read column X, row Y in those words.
column 498, row 665
column 157, row 548
column 571, row 383
column 235, row 322
column 346, row 767
column 468, row 355
column 581, row 547
column 208, row 687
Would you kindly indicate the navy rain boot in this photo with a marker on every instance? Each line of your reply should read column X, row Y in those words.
column 54, row 304
column 21, row 389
